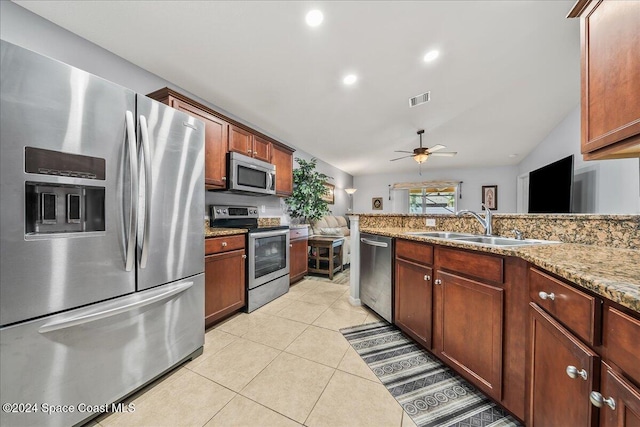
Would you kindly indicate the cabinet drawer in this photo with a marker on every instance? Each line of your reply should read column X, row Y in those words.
column 299, row 233
column 414, row 251
column 621, row 340
column 214, row 245
column 472, row 263
column 575, row 309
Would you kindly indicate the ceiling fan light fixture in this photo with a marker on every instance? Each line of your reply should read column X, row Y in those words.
column 421, row 158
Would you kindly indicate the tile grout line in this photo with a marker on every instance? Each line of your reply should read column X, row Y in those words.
column 319, row 397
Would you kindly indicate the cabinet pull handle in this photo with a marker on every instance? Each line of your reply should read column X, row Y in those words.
column 573, row 372
column 598, row 400
column 544, row 295
column 438, row 282
column 244, row 257
column 224, row 244
column 427, row 277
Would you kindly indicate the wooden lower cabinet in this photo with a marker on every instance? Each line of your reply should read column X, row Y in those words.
column 413, row 300
column 619, row 400
column 562, row 372
column 298, row 250
column 470, row 329
column 225, row 288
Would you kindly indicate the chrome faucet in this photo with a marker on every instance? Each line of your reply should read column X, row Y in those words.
column 486, row 222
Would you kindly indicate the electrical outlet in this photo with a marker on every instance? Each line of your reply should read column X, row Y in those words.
column 263, row 209
column 430, row 222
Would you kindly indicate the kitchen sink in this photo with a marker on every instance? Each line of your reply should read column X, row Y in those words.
column 502, row 241
column 479, row 239
column 440, row 234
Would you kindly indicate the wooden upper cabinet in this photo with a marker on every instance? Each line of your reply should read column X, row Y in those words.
column 282, row 158
column 610, row 78
column 240, row 141
column 244, row 142
column 215, row 147
column 261, row 149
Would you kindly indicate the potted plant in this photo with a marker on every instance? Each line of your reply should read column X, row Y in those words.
column 306, row 200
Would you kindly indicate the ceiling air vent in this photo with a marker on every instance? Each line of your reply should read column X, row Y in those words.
column 419, row 99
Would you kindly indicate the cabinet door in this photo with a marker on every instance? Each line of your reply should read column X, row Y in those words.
column 611, row 79
column 215, row 144
column 471, row 321
column 626, row 399
column 261, row 149
column 298, row 259
column 283, row 160
column 224, row 284
column 555, row 398
column 240, row 141
column 413, row 300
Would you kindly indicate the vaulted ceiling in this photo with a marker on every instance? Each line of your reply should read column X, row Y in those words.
column 507, row 73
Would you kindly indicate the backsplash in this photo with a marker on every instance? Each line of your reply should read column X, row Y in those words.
column 618, row 231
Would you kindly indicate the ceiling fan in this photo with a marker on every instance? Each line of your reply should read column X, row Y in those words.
column 421, row 154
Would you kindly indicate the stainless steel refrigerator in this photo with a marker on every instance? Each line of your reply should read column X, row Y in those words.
column 102, row 239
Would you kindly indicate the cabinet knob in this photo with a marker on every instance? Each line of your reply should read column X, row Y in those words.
column 573, row 372
column 244, row 257
column 224, row 244
column 427, row 277
column 224, row 178
column 438, row 282
column 544, row 295
column 255, row 152
column 249, row 151
column 290, row 245
column 598, row 400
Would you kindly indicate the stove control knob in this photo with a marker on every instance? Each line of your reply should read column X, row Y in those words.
column 224, row 211
column 218, row 210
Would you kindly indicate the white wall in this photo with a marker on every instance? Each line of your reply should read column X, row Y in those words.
column 600, row 186
column 504, row 177
column 24, row 28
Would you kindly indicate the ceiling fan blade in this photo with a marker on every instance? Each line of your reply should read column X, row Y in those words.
column 403, row 151
column 449, row 154
column 404, row 157
column 436, row 148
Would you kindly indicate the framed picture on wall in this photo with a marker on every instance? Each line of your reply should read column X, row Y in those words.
column 490, row 197
column 376, row 203
column 329, row 194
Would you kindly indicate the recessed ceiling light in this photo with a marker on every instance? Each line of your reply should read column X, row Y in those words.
column 431, row 55
column 511, row 156
column 350, row 79
column 314, row 18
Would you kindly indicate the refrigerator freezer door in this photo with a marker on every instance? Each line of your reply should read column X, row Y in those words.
column 49, row 105
column 96, row 355
column 171, row 209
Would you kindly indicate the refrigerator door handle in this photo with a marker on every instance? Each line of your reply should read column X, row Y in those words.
column 144, row 132
column 81, row 319
column 133, row 212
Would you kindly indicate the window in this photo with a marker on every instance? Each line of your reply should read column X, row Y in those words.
column 431, row 200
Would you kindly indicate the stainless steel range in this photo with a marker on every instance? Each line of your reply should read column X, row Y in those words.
column 268, row 253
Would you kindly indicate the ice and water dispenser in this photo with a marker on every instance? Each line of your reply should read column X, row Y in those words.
column 64, row 206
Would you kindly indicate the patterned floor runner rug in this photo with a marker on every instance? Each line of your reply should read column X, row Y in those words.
column 430, row 392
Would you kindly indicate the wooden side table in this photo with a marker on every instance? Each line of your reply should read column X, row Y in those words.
column 325, row 255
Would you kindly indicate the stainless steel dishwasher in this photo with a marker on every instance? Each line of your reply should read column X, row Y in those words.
column 375, row 273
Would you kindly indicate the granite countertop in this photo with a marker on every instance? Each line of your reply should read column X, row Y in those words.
column 215, row 232
column 610, row 272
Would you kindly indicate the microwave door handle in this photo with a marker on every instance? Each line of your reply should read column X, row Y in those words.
column 130, row 230
column 144, row 132
column 269, row 181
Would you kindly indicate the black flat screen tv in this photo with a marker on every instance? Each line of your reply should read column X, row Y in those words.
column 550, row 187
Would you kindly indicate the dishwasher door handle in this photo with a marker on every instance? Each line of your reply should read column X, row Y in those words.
column 374, row 243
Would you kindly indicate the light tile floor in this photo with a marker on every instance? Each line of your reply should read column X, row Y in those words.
column 285, row 364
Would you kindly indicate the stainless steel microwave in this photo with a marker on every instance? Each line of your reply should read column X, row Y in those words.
column 250, row 176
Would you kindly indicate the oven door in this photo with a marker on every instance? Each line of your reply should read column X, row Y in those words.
column 268, row 256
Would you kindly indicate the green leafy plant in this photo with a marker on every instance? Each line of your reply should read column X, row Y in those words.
column 308, row 188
